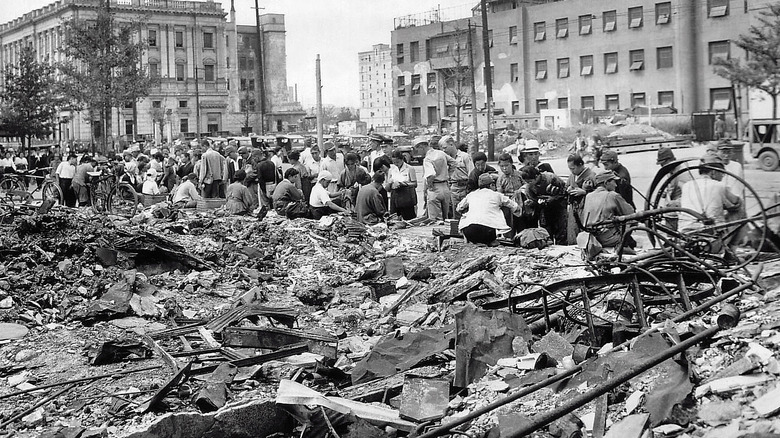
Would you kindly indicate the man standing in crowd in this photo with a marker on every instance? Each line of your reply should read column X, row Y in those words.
column 459, row 172
column 581, row 182
column 212, row 172
column 707, row 195
column 333, row 162
column 530, row 156
column 673, row 191
column 609, row 159
column 64, row 174
column 603, row 204
column 436, row 174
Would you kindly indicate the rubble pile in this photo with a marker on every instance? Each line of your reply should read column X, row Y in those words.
column 202, row 325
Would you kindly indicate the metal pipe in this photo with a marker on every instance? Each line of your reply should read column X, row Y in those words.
column 549, row 416
column 549, row 381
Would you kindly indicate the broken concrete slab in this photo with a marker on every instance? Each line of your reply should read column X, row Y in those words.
column 424, row 399
column 768, row 404
column 632, row 426
column 11, row 331
column 554, row 345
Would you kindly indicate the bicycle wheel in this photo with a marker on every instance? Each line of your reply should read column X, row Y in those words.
column 122, row 200
column 9, row 184
column 53, row 192
column 99, row 195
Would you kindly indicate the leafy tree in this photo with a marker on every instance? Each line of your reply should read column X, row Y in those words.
column 30, row 102
column 761, row 68
column 103, row 68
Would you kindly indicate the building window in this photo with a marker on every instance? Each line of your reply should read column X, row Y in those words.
column 182, row 104
column 637, row 58
column 402, row 116
column 156, row 104
column 610, row 63
column 415, row 85
column 586, row 65
column 541, row 70
column 178, row 39
column 563, row 67
column 208, row 73
column 587, row 102
column 208, row 40
column 242, row 84
column 416, row 116
column 250, row 85
column 179, row 72
column 490, row 37
column 248, row 105
column 561, row 28
column 664, row 57
column 414, row 51
column 184, row 125
column 431, row 82
column 719, row 50
column 128, row 127
column 432, row 113
column 152, row 38
column 401, row 86
column 666, row 98
column 154, row 69
column 512, row 34
column 250, row 64
column 635, row 17
column 514, row 72
column 637, row 99
column 610, row 20
column 717, row 8
column 242, row 62
column 563, row 103
column 663, row 13
column 720, row 99
column 541, row 104
column 540, row 31
column 515, row 107
column 586, row 24
column 399, row 53
column 612, row 102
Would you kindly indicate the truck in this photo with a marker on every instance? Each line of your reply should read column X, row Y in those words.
column 763, row 142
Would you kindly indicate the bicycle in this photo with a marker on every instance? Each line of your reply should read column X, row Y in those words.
column 14, row 186
column 107, row 195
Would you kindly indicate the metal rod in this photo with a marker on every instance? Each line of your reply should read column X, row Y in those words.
column 549, row 416
column 83, row 379
column 37, row 405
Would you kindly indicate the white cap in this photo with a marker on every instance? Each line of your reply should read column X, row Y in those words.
column 531, row 145
column 324, row 174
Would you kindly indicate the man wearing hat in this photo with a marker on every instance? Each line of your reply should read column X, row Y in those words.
column 376, row 142
column 231, row 163
column 674, row 186
column 323, row 203
column 725, row 149
column 603, row 204
column 707, row 195
column 609, row 159
column 436, row 174
column 482, row 219
column 243, row 157
column 529, row 156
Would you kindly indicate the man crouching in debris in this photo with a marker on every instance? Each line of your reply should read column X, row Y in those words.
column 323, row 203
column 239, row 199
column 186, row 195
column 603, row 204
column 482, row 217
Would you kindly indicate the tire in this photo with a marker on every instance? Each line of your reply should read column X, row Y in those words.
column 768, row 161
column 52, row 191
column 122, row 200
column 99, row 196
column 408, row 157
column 10, row 184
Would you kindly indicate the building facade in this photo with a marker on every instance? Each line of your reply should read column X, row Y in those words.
column 584, row 54
column 192, row 49
column 376, row 88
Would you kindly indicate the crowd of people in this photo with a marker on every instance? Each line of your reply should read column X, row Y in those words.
column 522, row 194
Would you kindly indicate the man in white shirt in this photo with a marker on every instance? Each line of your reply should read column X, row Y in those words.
column 707, row 195
column 333, row 162
column 186, row 195
column 321, row 201
column 64, row 174
column 482, row 217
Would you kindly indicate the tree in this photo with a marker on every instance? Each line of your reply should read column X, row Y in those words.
column 30, row 102
column 457, row 81
column 761, row 68
column 103, row 70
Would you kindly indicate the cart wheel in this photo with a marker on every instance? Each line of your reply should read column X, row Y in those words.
column 53, row 192
column 122, row 200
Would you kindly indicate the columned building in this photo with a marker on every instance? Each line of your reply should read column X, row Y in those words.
column 195, row 52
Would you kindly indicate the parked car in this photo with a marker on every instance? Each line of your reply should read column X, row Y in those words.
column 763, row 142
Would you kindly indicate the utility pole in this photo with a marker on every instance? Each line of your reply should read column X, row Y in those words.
column 319, row 104
column 491, row 145
column 474, row 112
column 260, row 67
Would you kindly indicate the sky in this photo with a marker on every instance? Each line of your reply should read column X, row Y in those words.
column 337, row 30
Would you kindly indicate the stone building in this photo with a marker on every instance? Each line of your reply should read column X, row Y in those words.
column 202, row 61
column 376, row 88
column 576, row 54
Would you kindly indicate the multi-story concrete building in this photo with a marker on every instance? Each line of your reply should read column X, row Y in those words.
column 376, row 88
column 204, row 64
column 581, row 54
